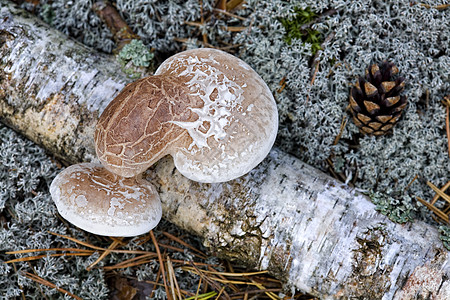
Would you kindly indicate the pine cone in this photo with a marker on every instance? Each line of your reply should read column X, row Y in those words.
column 375, row 101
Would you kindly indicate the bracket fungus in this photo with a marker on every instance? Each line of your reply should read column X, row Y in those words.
column 207, row 109
column 101, row 202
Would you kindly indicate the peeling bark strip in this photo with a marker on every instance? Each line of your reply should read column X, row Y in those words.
column 304, row 227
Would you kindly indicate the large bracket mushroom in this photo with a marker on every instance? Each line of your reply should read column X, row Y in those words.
column 207, row 109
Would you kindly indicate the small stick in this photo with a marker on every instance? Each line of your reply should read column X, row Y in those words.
column 315, row 64
column 341, row 130
column 158, row 276
column 316, row 69
column 282, row 84
column 202, row 20
column 320, row 17
column 447, row 129
column 438, row 7
column 235, row 28
column 409, row 184
column 122, row 33
column 446, row 102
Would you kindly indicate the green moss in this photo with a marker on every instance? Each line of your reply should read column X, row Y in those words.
column 137, row 53
column 135, row 59
column 47, row 14
column 294, row 30
column 445, row 236
column 400, row 211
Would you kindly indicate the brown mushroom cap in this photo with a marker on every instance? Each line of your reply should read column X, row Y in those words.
column 206, row 108
column 101, row 202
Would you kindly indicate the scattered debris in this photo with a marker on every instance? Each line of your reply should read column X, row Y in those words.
column 442, row 213
column 216, row 281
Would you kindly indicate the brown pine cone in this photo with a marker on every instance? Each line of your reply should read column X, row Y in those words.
column 375, row 100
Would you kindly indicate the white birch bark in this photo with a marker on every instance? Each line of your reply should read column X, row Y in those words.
column 311, row 231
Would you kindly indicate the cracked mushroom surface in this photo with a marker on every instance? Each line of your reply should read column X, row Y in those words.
column 96, row 200
column 207, row 109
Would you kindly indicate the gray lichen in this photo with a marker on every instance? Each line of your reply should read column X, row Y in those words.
column 28, row 215
column 414, row 36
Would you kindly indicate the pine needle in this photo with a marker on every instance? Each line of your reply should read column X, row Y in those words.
column 341, row 130
column 271, row 295
column 439, row 213
column 135, row 261
column 438, row 7
column 99, row 248
column 231, row 286
column 198, row 288
column 220, row 293
column 178, row 240
column 229, row 274
column 439, row 192
column 77, row 241
column 36, row 257
column 203, row 296
column 173, row 280
column 113, row 245
column 446, row 102
column 208, row 280
column 48, row 249
column 447, row 129
column 42, row 281
column 161, row 263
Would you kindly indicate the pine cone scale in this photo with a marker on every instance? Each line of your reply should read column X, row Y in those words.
column 371, row 106
column 391, row 101
column 370, row 89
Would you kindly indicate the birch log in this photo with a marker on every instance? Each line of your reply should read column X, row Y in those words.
column 314, row 233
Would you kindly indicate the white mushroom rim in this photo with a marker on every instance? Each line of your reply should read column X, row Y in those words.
column 98, row 201
column 239, row 109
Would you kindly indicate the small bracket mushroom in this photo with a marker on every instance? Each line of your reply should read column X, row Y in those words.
column 101, row 202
